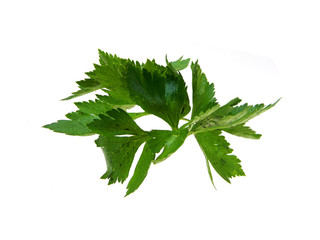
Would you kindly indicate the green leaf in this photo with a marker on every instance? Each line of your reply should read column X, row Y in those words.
column 119, row 149
column 227, row 108
column 231, row 118
column 119, row 154
column 107, row 174
column 160, row 93
column 68, row 127
column 136, row 115
column 152, row 66
column 86, row 86
column 80, row 117
column 243, row 131
column 202, row 93
column 158, row 139
column 217, row 151
column 76, row 126
column 106, row 59
column 113, row 79
column 115, row 122
column 180, row 64
column 101, row 105
column 216, row 111
column 110, row 75
column 172, row 144
column 141, row 169
column 209, row 172
column 94, row 107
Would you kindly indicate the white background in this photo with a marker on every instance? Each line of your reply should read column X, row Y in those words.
column 256, row 50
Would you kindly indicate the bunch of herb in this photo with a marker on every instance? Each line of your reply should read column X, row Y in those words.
column 161, row 91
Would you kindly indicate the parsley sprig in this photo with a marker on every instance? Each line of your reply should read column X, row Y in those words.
column 161, row 91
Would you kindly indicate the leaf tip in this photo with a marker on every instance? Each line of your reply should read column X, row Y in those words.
column 46, row 126
column 128, row 193
column 277, row 101
column 67, row 98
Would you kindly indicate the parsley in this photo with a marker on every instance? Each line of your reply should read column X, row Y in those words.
column 161, row 91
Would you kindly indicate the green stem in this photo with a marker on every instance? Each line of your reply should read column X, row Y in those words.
column 185, row 125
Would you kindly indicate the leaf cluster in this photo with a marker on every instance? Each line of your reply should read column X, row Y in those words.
column 161, row 91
